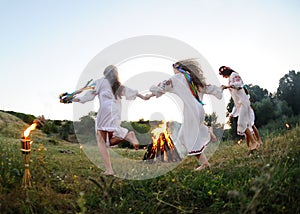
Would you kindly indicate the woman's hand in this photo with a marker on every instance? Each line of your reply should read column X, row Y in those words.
column 224, row 87
column 230, row 86
column 150, row 95
column 146, row 97
column 76, row 100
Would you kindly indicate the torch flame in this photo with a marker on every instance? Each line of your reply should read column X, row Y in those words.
column 287, row 125
column 29, row 129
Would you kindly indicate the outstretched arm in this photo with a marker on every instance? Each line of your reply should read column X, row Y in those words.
column 231, row 86
column 161, row 88
column 131, row 94
column 145, row 97
column 88, row 96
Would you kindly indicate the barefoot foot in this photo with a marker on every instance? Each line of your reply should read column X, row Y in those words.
column 202, row 166
column 108, row 173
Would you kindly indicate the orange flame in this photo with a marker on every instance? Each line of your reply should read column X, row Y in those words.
column 161, row 133
column 160, row 129
column 29, row 129
column 287, row 125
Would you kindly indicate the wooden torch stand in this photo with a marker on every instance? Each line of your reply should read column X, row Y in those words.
column 26, row 143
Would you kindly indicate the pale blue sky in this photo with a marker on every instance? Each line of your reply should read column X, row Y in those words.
column 46, row 44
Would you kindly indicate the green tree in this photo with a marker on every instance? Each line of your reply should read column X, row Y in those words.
column 50, row 127
column 85, row 125
column 257, row 93
column 264, row 111
column 289, row 90
column 281, row 109
column 66, row 130
column 211, row 119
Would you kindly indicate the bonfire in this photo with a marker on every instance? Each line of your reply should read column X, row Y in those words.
column 162, row 148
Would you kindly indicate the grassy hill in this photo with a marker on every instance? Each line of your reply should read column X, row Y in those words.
column 11, row 126
column 66, row 181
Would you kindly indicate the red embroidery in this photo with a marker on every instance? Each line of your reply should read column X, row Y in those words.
column 169, row 82
column 237, row 79
column 165, row 83
column 197, row 151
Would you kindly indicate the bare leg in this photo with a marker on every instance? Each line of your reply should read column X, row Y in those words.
column 250, row 137
column 115, row 141
column 204, row 162
column 247, row 141
column 101, row 135
column 212, row 135
column 257, row 135
column 132, row 139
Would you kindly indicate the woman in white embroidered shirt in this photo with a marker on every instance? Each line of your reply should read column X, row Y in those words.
column 189, row 84
column 108, row 123
column 241, row 102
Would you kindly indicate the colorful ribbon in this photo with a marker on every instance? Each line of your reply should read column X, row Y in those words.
column 191, row 84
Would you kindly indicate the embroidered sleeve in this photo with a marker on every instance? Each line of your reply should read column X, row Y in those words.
column 235, row 80
column 162, row 87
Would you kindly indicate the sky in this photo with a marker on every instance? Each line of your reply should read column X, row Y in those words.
column 46, row 45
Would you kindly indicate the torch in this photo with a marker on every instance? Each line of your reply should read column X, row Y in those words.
column 26, row 148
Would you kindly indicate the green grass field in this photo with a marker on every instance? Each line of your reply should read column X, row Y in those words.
column 64, row 180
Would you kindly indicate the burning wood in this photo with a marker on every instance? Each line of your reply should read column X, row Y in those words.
column 162, row 147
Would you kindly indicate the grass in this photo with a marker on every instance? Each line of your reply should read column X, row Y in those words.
column 68, row 182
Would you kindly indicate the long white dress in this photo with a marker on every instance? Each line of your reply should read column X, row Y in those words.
column 241, row 102
column 234, row 113
column 193, row 134
column 109, row 112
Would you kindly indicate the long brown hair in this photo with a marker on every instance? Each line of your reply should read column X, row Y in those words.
column 111, row 74
column 193, row 67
